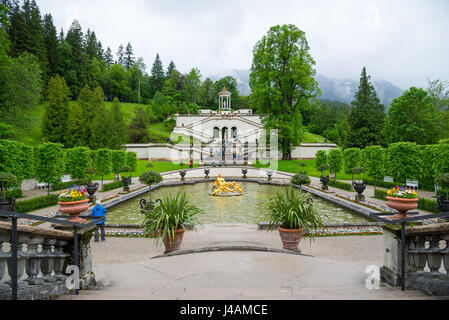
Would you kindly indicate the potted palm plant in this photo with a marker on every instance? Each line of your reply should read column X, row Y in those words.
column 443, row 195
column 294, row 214
column 169, row 218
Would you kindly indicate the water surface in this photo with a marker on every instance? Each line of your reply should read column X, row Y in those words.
column 250, row 208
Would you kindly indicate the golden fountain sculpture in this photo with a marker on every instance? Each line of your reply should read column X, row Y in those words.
column 223, row 188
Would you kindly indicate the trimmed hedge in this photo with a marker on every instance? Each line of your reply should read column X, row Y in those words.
column 423, row 203
column 37, row 203
column 112, row 185
column 15, row 193
column 340, row 185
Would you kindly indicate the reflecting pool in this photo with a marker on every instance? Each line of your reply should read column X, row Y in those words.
column 250, row 208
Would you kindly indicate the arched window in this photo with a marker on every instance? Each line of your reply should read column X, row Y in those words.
column 216, row 133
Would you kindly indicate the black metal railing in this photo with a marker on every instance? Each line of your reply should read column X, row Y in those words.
column 403, row 223
column 59, row 220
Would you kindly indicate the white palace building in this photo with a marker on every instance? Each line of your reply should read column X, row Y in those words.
column 223, row 136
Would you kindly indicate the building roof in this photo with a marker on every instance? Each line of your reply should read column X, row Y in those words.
column 225, row 92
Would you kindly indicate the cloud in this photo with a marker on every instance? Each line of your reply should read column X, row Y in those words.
column 400, row 41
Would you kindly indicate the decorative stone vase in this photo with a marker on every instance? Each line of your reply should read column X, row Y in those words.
column 290, row 238
column 182, row 173
column 9, row 205
column 324, row 181
column 91, row 189
column 176, row 242
column 206, row 173
column 359, row 187
column 73, row 209
column 126, row 182
column 402, row 206
column 269, row 174
column 443, row 205
column 244, row 171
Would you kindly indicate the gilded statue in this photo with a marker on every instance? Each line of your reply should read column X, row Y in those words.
column 221, row 187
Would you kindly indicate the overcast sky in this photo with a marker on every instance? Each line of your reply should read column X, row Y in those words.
column 404, row 42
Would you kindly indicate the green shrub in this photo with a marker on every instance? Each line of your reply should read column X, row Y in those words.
column 112, row 185
column 380, row 194
column 301, row 179
column 340, row 185
column 320, row 159
column 77, row 161
column 428, row 205
column 16, row 158
column 382, row 184
column 335, row 160
column 14, row 193
column 352, row 158
column 37, row 203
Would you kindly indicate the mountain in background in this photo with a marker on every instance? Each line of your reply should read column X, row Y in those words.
column 332, row 89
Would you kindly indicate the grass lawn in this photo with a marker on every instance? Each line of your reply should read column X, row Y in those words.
column 142, row 167
column 293, row 166
column 313, row 138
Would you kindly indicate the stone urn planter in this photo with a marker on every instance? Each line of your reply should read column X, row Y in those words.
column 402, row 206
column 324, row 181
column 443, row 205
column 269, row 174
column 290, row 237
column 175, row 243
column 245, row 172
column 182, row 173
column 91, row 189
column 126, row 182
column 8, row 205
column 206, row 173
column 359, row 187
column 74, row 209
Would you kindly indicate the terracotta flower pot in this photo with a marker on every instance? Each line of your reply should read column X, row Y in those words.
column 402, row 206
column 176, row 242
column 290, row 237
column 74, row 209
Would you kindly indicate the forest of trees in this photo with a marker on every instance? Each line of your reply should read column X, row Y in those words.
column 72, row 74
column 33, row 49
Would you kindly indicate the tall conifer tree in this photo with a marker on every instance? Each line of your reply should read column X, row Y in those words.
column 367, row 116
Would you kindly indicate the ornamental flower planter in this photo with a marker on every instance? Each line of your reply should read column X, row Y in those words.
column 443, row 205
column 290, row 237
column 175, row 243
column 91, row 189
column 359, row 187
column 402, row 205
column 73, row 209
column 245, row 172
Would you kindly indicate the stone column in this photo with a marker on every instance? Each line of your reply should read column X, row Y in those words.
column 59, row 259
column 33, row 264
column 47, row 262
column 21, row 261
column 3, row 260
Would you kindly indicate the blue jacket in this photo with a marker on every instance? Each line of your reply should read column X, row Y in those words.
column 99, row 211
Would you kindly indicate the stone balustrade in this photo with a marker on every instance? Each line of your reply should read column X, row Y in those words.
column 43, row 255
column 427, row 258
column 428, row 251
